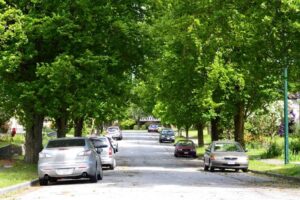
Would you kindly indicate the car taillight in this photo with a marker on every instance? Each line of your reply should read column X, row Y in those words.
column 110, row 151
column 85, row 153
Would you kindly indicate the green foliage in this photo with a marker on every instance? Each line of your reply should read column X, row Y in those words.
column 127, row 124
column 273, row 150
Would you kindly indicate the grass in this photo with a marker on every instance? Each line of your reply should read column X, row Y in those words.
column 19, row 173
column 287, row 170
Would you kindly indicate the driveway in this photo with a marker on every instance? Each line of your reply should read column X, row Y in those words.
column 148, row 170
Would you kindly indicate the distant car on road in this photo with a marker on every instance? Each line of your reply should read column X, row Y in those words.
column 185, row 148
column 106, row 151
column 69, row 158
column 114, row 132
column 153, row 128
column 167, row 135
column 225, row 155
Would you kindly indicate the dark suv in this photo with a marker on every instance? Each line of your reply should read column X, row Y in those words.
column 167, row 135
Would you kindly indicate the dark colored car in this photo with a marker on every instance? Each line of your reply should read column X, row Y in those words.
column 185, row 148
column 167, row 135
column 153, row 128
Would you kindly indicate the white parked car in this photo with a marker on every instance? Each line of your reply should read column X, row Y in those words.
column 69, row 158
column 106, row 151
column 114, row 132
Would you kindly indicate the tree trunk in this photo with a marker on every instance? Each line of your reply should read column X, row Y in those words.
column 61, row 126
column 78, row 126
column 200, row 127
column 215, row 129
column 239, row 124
column 187, row 132
column 33, row 138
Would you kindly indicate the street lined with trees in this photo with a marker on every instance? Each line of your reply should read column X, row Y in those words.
column 190, row 63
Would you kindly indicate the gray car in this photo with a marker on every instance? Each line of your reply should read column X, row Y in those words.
column 103, row 145
column 69, row 158
column 225, row 155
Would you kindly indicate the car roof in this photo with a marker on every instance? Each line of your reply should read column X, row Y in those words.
column 68, row 138
column 225, row 142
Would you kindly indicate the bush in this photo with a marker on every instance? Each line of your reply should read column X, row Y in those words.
column 273, row 150
column 295, row 146
column 127, row 124
column 135, row 127
column 143, row 127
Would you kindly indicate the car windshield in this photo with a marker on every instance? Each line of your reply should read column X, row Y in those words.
column 66, row 143
column 224, row 147
column 185, row 143
column 153, row 126
column 112, row 129
column 167, row 132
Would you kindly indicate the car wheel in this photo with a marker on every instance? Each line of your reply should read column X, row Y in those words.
column 112, row 166
column 211, row 168
column 43, row 181
column 94, row 177
column 245, row 170
column 160, row 141
column 100, row 175
column 206, row 167
column 175, row 154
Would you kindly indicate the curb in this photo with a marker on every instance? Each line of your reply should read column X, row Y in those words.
column 18, row 186
column 276, row 175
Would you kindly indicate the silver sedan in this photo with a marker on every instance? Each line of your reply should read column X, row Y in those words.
column 69, row 158
column 225, row 155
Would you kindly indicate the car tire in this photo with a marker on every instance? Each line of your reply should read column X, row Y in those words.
column 43, row 181
column 206, row 167
column 112, row 166
column 245, row 170
column 160, row 141
column 94, row 178
column 211, row 168
column 175, row 155
column 100, row 175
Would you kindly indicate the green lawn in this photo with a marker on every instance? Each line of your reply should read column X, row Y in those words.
column 19, row 173
column 288, row 170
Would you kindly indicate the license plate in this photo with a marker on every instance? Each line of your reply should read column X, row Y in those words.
column 64, row 171
column 186, row 152
column 231, row 163
column 168, row 138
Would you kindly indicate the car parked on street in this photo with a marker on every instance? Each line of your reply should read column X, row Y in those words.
column 185, row 148
column 69, row 158
column 106, row 151
column 167, row 135
column 153, row 128
column 225, row 155
column 114, row 144
column 114, row 132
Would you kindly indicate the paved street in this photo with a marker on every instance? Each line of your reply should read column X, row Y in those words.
column 148, row 170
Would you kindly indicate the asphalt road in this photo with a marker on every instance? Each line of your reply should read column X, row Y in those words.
column 148, row 170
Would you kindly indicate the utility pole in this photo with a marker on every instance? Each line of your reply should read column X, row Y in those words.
column 286, row 118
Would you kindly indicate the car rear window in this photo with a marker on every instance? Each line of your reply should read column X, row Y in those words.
column 167, row 133
column 223, row 147
column 66, row 143
column 112, row 129
column 100, row 142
